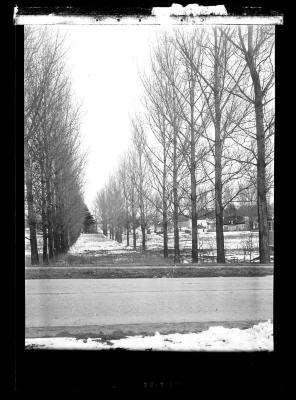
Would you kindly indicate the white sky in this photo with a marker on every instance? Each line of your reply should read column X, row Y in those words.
column 104, row 63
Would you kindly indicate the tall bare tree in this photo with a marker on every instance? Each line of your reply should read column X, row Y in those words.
column 256, row 45
column 215, row 56
column 140, row 177
column 158, row 153
column 165, row 68
column 53, row 163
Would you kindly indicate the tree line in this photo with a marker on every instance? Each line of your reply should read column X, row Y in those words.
column 204, row 139
column 53, row 161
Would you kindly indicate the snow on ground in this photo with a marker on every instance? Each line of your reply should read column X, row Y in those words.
column 216, row 338
column 235, row 242
column 96, row 242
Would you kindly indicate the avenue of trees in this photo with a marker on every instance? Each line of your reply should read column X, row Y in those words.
column 204, row 141
column 54, row 204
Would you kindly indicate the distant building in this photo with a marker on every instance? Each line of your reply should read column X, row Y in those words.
column 202, row 225
column 235, row 223
column 184, row 222
column 158, row 228
column 211, row 225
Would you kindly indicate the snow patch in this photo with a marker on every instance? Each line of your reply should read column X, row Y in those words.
column 90, row 243
column 216, row 338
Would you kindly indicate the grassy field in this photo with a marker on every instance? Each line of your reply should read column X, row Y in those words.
column 96, row 256
column 111, row 272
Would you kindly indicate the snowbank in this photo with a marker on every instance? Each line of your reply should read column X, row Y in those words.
column 91, row 243
column 216, row 338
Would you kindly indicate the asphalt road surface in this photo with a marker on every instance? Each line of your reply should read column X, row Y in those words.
column 86, row 302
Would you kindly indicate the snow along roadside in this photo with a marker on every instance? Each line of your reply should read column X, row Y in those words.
column 216, row 338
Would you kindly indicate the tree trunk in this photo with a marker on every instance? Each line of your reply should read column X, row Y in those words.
column 56, row 241
column 192, row 178
column 261, row 166
column 118, row 234
column 261, row 188
column 127, row 234
column 218, row 160
column 175, row 200
column 143, row 237
column 49, row 221
column 194, row 221
column 218, row 202
column 44, row 224
column 165, row 227
column 31, row 216
column 165, row 231
column 176, row 230
column 64, row 240
column 134, row 238
column 134, row 224
column 164, row 205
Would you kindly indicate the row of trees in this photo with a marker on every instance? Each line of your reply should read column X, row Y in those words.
column 204, row 140
column 53, row 163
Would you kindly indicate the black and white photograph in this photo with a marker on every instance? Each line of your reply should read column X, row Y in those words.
column 149, row 183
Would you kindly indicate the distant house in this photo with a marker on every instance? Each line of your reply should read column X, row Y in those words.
column 211, row 225
column 184, row 222
column 158, row 228
column 202, row 225
column 202, row 222
column 235, row 223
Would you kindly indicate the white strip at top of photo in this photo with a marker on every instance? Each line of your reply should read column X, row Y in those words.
column 174, row 15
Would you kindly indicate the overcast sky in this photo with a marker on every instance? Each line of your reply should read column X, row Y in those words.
column 104, row 63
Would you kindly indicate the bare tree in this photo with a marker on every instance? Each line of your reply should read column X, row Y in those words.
column 192, row 110
column 158, row 153
column 101, row 210
column 165, row 68
column 215, row 56
column 53, row 163
column 140, row 177
column 125, row 182
column 256, row 45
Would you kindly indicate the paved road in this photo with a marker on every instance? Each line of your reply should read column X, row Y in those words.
column 81, row 302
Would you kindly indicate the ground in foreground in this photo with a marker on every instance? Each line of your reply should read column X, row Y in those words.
column 216, row 338
column 125, row 271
